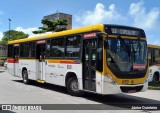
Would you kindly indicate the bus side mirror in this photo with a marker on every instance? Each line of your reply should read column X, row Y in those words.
column 100, row 34
column 103, row 34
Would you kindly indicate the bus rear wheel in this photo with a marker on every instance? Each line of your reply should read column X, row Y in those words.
column 73, row 88
column 25, row 77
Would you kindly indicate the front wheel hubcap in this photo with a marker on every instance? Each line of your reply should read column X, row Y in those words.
column 74, row 86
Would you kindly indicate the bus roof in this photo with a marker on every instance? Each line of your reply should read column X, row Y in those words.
column 153, row 46
column 96, row 27
column 62, row 33
column 123, row 26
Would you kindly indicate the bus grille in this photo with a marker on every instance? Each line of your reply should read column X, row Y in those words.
column 128, row 89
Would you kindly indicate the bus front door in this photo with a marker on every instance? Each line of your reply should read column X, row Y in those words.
column 40, row 54
column 89, row 64
column 16, row 60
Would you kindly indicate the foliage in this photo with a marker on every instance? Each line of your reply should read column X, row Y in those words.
column 52, row 26
column 154, row 84
column 13, row 35
column 3, row 58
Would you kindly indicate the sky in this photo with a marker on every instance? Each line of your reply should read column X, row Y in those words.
column 26, row 15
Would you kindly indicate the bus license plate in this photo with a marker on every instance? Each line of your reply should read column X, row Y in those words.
column 132, row 91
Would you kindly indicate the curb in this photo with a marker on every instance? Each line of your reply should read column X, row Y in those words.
column 1, row 71
column 154, row 88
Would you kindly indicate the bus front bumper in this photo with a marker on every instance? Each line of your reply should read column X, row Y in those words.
column 110, row 88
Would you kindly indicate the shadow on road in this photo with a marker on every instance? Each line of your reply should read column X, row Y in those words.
column 46, row 86
column 122, row 101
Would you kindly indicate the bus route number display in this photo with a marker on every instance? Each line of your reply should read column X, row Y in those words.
column 124, row 32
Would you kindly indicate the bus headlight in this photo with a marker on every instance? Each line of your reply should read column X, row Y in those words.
column 110, row 80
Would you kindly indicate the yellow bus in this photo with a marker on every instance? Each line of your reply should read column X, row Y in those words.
column 103, row 59
column 154, row 63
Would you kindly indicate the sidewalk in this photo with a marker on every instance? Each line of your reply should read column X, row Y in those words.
column 2, row 69
column 153, row 88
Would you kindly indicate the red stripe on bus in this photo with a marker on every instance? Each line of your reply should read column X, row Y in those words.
column 68, row 62
column 16, row 45
column 12, row 61
column 41, row 42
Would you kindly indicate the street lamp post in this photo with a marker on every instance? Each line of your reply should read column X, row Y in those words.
column 9, row 28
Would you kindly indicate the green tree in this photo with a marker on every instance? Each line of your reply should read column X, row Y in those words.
column 52, row 26
column 13, row 35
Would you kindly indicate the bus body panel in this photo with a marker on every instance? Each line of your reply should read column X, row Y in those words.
column 13, row 67
column 154, row 62
column 99, row 83
column 30, row 65
column 152, row 70
column 10, row 68
column 16, row 69
column 55, row 70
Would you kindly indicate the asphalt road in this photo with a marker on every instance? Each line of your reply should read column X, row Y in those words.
column 13, row 91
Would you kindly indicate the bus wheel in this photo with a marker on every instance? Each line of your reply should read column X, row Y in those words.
column 72, row 87
column 25, row 77
column 155, row 77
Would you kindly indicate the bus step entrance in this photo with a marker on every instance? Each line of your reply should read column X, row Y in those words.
column 40, row 81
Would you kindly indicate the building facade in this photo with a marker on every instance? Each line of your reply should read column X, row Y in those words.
column 60, row 16
column 3, row 50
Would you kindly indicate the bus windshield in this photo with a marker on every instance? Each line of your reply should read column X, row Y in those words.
column 126, row 55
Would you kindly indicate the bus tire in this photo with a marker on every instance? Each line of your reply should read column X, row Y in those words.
column 25, row 77
column 155, row 77
column 72, row 87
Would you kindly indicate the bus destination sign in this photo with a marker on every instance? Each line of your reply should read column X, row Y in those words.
column 124, row 30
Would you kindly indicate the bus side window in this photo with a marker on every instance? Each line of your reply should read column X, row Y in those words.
column 16, row 53
column 73, row 46
column 47, row 55
column 10, row 51
column 32, row 50
column 57, row 48
column 24, row 50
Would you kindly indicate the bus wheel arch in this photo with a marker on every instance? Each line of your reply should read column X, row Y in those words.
column 156, row 77
column 25, row 75
column 71, row 82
